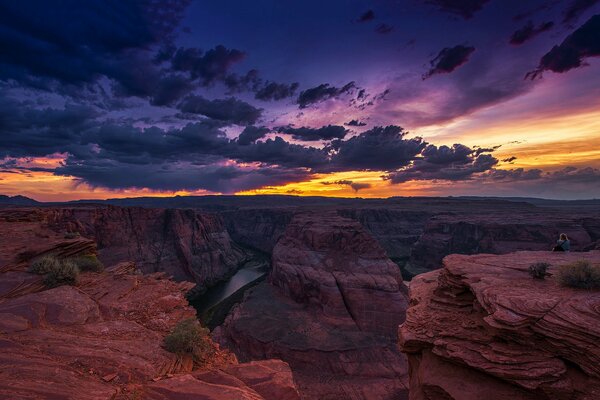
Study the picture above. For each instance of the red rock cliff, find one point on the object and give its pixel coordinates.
(483, 328)
(185, 244)
(331, 310)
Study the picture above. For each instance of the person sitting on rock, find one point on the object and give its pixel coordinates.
(563, 243)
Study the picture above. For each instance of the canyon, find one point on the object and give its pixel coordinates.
(305, 295)
(102, 339)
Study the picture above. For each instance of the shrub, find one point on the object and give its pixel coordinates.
(538, 270)
(88, 263)
(64, 273)
(580, 274)
(43, 265)
(189, 337)
(71, 235)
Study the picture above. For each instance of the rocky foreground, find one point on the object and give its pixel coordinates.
(102, 339)
(482, 328)
(330, 309)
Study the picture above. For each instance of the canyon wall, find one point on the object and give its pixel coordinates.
(481, 327)
(185, 244)
(330, 309)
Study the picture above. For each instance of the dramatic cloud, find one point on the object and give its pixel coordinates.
(581, 44)
(76, 42)
(251, 134)
(464, 8)
(229, 110)
(449, 166)
(384, 29)
(328, 132)
(208, 67)
(449, 59)
(355, 122)
(529, 31)
(177, 176)
(322, 92)
(380, 148)
(368, 15)
(576, 8)
(276, 91)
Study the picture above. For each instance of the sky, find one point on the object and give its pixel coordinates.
(106, 99)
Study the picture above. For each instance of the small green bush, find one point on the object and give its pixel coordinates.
(65, 273)
(189, 337)
(580, 274)
(71, 235)
(538, 270)
(88, 263)
(43, 265)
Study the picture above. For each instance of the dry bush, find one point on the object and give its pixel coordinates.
(189, 337)
(63, 273)
(580, 274)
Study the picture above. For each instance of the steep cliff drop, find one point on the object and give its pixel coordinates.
(482, 328)
(102, 339)
(331, 310)
(186, 244)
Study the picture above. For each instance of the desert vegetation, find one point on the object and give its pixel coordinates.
(59, 272)
(539, 270)
(580, 274)
(189, 337)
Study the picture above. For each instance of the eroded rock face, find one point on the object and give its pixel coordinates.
(330, 309)
(103, 338)
(483, 328)
(498, 233)
(185, 244)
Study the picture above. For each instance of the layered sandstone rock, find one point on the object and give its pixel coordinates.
(330, 310)
(103, 338)
(483, 328)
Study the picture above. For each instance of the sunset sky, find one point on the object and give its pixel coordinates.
(103, 99)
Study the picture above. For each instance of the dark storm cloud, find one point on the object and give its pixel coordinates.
(177, 176)
(306, 134)
(449, 59)
(380, 148)
(509, 159)
(322, 92)
(74, 42)
(209, 66)
(444, 165)
(355, 122)
(25, 131)
(384, 29)
(529, 31)
(278, 151)
(276, 91)
(251, 134)
(464, 8)
(229, 110)
(576, 8)
(368, 15)
(571, 53)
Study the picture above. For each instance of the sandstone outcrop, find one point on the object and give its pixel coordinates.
(481, 327)
(331, 310)
(102, 339)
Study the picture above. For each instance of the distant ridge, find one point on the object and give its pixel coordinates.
(17, 200)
